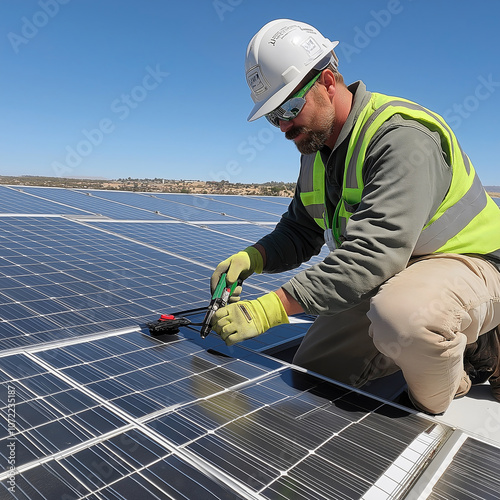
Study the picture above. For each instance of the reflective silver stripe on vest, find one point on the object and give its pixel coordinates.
(343, 228)
(454, 220)
(351, 179)
(306, 175)
(316, 211)
(306, 183)
(466, 161)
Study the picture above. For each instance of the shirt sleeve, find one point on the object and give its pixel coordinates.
(406, 177)
(294, 240)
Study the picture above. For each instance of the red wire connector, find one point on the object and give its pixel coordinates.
(167, 324)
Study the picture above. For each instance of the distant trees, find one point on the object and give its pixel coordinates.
(158, 185)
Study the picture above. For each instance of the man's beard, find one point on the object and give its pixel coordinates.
(314, 140)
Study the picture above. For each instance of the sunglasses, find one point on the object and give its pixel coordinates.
(291, 107)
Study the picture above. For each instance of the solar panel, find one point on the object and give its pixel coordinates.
(94, 407)
(271, 204)
(18, 201)
(473, 473)
(59, 278)
(235, 207)
(205, 244)
(91, 203)
(155, 204)
(189, 207)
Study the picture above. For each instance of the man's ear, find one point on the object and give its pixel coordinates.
(328, 81)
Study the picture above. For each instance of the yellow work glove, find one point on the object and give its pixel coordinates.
(240, 265)
(249, 318)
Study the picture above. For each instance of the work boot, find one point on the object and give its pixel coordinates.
(495, 377)
(482, 361)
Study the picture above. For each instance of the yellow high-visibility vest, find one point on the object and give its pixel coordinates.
(467, 221)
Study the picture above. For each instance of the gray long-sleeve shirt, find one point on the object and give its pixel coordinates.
(406, 178)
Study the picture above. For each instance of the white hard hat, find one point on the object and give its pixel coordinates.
(278, 57)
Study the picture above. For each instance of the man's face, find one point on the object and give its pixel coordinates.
(313, 126)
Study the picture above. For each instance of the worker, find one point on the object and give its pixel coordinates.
(412, 278)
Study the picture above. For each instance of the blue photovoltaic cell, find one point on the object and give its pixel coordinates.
(62, 388)
(275, 200)
(142, 206)
(472, 474)
(247, 232)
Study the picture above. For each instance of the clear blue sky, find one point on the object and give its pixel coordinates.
(156, 88)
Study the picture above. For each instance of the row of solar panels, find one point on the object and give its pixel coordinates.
(123, 205)
(102, 410)
(70, 275)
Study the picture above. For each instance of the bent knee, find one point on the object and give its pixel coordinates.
(400, 321)
(391, 319)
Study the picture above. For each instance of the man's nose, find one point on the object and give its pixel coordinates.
(286, 125)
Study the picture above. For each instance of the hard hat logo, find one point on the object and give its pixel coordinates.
(281, 33)
(311, 47)
(279, 57)
(255, 81)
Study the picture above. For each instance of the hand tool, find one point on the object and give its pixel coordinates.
(170, 324)
(220, 297)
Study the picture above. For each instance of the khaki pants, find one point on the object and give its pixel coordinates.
(419, 321)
